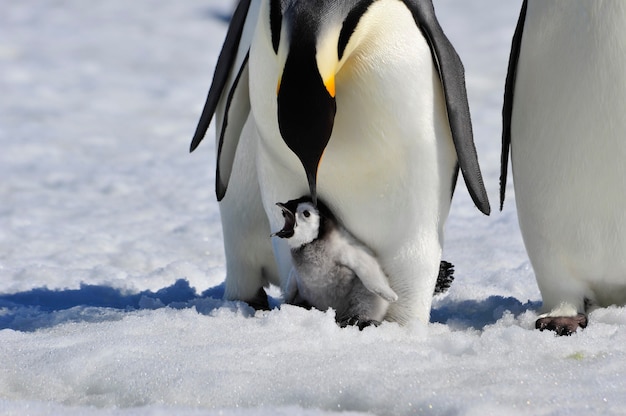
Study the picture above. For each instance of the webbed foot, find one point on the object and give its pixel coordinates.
(562, 325)
(357, 321)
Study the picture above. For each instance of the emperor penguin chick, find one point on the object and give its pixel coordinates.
(331, 269)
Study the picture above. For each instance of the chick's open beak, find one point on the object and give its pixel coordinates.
(290, 223)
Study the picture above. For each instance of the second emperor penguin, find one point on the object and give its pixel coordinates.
(564, 120)
(373, 86)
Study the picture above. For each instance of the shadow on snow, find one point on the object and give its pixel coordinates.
(478, 314)
(43, 308)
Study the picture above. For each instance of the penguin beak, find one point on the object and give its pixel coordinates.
(290, 223)
(306, 108)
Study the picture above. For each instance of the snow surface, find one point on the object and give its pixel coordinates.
(111, 257)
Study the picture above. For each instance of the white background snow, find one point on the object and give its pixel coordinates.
(111, 255)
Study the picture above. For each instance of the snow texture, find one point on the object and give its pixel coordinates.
(111, 260)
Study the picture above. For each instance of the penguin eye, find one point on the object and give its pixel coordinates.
(307, 214)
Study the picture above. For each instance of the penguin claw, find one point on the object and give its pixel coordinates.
(358, 322)
(562, 325)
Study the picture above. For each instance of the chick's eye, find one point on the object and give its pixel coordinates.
(307, 214)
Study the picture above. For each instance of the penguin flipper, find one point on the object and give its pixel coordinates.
(452, 76)
(236, 111)
(507, 108)
(223, 70)
(231, 74)
(367, 269)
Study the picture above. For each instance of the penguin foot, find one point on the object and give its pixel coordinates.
(562, 325)
(259, 302)
(357, 321)
(445, 278)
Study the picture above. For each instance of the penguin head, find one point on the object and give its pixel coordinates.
(310, 39)
(302, 222)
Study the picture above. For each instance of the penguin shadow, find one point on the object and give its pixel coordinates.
(479, 314)
(44, 308)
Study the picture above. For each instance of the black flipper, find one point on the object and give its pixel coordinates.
(233, 121)
(452, 75)
(507, 108)
(222, 71)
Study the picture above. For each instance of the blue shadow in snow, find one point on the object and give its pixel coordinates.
(478, 314)
(43, 308)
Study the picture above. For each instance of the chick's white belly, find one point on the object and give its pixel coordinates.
(321, 281)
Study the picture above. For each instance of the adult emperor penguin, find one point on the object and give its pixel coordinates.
(377, 89)
(564, 121)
